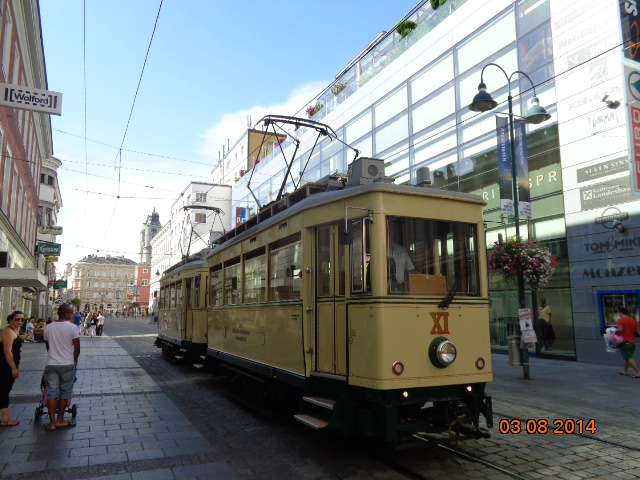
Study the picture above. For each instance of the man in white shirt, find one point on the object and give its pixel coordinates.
(99, 324)
(399, 263)
(63, 348)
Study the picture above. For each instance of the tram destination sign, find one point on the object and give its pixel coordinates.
(49, 249)
(27, 98)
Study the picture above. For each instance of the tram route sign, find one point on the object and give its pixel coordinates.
(27, 98)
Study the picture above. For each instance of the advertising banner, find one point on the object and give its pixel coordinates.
(504, 166)
(522, 167)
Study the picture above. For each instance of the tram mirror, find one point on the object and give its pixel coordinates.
(346, 237)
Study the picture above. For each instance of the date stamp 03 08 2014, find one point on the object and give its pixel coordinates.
(559, 426)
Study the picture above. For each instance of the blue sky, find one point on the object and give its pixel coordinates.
(210, 64)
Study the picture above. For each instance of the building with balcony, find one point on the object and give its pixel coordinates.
(25, 144)
(102, 283)
(49, 204)
(406, 100)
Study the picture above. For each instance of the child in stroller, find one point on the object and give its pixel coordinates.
(42, 407)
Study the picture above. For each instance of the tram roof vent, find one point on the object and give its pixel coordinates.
(366, 170)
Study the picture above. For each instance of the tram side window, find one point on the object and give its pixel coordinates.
(232, 282)
(179, 294)
(255, 282)
(216, 290)
(323, 262)
(162, 295)
(196, 291)
(172, 296)
(426, 257)
(285, 269)
(360, 257)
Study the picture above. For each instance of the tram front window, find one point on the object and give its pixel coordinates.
(426, 257)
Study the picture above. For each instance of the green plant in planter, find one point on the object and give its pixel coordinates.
(338, 87)
(405, 27)
(435, 4)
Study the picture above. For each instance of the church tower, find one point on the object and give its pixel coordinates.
(149, 230)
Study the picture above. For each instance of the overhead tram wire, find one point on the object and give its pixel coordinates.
(124, 136)
(144, 64)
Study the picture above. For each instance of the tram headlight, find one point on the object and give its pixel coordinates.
(442, 352)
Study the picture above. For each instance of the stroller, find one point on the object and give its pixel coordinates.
(42, 408)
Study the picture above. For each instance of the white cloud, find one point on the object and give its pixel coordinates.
(232, 125)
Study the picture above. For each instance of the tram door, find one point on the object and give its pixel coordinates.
(187, 327)
(331, 318)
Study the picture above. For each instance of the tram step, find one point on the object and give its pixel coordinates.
(321, 402)
(198, 365)
(311, 421)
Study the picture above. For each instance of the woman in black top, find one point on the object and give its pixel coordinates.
(9, 363)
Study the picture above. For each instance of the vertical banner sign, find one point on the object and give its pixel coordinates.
(522, 167)
(630, 27)
(241, 215)
(504, 166)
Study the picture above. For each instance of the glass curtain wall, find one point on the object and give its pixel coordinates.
(425, 122)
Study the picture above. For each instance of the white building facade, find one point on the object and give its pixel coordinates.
(200, 214)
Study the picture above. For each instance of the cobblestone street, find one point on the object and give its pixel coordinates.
(140, 416)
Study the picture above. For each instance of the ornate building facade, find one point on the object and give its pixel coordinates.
(102, 283)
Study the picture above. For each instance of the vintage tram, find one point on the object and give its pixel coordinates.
(182, 313)
(365, 301)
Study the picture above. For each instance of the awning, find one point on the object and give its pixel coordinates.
(23, 277)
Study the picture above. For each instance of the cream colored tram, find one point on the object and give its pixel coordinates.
(365, 301)
(182, 313)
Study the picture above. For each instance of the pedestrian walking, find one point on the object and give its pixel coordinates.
(77, 321)
(9, 364)
(99, 324)
(92, 325)
(87, 322)
(544, 323)
(63, 349)
(628, 328)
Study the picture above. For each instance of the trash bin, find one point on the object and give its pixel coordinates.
(513, 346)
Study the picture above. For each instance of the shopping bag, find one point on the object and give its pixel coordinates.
(610, 346)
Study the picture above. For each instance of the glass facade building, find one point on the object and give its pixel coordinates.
(405, 100)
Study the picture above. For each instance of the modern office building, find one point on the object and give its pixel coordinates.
(406, 100)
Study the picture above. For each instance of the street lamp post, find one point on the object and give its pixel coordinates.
(483, 102)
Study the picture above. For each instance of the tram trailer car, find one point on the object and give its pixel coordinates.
(313, 299)
(182, 313)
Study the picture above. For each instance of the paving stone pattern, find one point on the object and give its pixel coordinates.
(141, 417)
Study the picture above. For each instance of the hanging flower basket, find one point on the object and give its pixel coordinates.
(516, 256)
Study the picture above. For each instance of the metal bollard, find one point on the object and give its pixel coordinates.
(513, 346)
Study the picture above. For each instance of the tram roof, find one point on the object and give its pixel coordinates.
(313, 194)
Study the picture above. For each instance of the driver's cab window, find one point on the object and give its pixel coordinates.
(427, 257)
